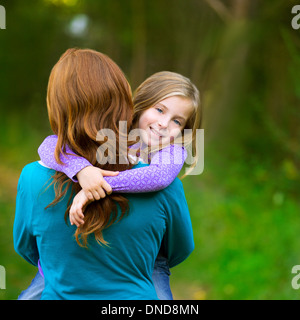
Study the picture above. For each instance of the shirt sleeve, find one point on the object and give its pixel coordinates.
(72, 163)
(178, 241)
(24, 240)
(163, 169)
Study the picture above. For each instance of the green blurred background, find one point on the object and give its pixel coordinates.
(244, 56)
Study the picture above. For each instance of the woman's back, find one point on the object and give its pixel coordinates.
(121, 270)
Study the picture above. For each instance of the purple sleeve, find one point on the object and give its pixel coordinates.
(72, 163)
(163, 169)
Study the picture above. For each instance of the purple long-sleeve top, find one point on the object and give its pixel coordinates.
(164, 167)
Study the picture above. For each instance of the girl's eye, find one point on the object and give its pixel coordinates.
(159, 110)
(177, 122)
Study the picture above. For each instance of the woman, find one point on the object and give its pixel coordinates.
(88, 92)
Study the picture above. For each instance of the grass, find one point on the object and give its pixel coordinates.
(245, 222)
(246, 237)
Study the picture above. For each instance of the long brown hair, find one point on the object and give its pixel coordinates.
(87, 92)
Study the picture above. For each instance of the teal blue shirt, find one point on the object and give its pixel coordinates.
(122, 270)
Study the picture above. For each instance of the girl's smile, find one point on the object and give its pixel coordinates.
(156, 132)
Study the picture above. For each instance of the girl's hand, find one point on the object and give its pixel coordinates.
(91, 181)
(79, 203)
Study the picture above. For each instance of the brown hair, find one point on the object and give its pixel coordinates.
(87, 92)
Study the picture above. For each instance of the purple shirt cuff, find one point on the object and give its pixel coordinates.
(40, 269)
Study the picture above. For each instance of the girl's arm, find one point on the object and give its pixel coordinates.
(72, 163)
(165, 166)
(90, 178)
(163, 169)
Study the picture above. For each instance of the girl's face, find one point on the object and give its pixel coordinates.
(163, 122)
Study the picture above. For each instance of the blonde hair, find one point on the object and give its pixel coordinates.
(165, 84)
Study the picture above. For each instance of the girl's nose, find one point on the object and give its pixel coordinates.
(163, 123)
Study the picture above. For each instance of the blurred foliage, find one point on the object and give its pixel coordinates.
(244, 57)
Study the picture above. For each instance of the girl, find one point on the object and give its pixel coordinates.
(164, 105)
(88, 92)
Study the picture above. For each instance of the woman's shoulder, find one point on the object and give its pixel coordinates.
(36, 166)
(34, 172)
(175, 185)
(173, 192)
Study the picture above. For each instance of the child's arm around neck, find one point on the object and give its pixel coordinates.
(164, 167)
